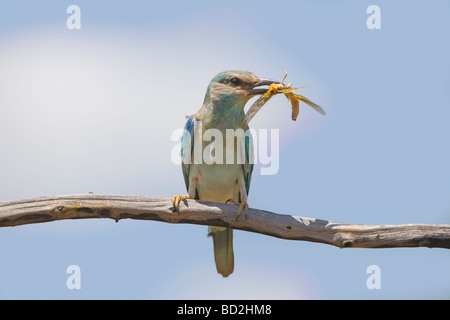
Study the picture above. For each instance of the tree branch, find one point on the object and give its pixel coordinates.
(45, 209)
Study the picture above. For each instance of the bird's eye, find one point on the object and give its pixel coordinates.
(235, 81)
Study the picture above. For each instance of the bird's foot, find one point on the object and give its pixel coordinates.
(176, 202)
(243, 205)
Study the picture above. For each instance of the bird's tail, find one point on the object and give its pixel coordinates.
(223, 249)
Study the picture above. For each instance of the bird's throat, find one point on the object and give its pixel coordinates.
(228, 117)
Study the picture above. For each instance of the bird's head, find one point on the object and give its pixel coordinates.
(235, 88)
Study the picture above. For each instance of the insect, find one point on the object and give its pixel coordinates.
(288, 91)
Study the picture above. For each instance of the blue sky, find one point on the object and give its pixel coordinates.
(93, 110)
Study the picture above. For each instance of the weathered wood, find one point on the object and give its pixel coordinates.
(85, 206)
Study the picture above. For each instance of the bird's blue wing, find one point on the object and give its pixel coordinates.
(187, 144)
(249, 160)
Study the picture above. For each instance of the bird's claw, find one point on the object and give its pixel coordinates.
(176, 202)
(243, 205)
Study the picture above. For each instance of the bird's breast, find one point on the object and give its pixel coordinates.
(217, 182)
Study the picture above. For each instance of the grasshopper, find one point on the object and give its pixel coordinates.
(288, 91)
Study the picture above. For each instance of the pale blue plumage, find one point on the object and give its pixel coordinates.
(187, 146)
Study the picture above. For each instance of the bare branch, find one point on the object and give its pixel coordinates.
(86, 206)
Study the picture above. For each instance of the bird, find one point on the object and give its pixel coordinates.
(221, 181)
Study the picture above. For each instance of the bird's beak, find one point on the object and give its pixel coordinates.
(261, 82)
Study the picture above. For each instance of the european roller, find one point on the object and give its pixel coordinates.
(223, 180)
